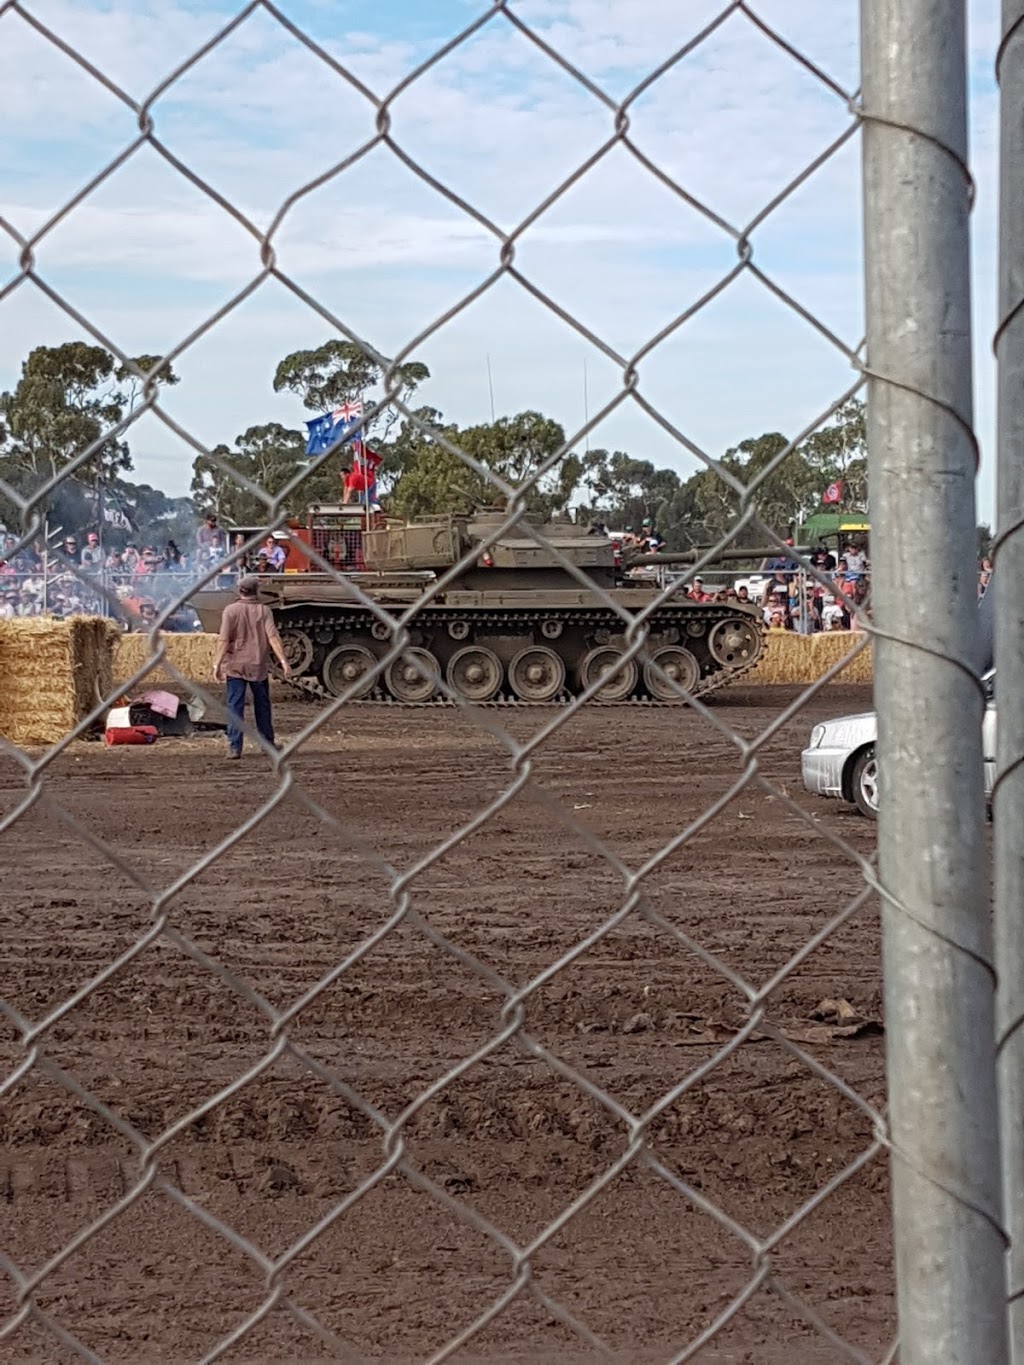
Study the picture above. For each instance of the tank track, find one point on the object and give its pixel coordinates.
(310, 686)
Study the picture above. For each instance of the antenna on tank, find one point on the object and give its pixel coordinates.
(586, 409)
(490, 385)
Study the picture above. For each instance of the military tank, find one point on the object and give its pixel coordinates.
(496, 617)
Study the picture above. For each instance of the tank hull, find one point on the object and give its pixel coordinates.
(500, 646)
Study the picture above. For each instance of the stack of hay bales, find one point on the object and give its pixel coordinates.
(791, 658)
(191, 655)
(52, 673)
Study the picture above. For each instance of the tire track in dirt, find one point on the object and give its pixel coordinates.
(636, 1014)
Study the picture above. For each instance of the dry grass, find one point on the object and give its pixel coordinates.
(52, 673)
(192, 655)
(789, 658)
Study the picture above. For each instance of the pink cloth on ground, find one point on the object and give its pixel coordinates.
(163, 703)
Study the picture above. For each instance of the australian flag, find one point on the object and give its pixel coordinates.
(332, 428)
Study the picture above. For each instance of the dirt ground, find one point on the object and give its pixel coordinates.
(512, 1141)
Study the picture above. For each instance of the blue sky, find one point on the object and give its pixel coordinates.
(148, 256)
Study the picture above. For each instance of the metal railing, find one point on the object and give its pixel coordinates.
(939, 1124)
(62, 590)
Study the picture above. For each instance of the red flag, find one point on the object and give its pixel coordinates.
(833, 493)
(362, 477)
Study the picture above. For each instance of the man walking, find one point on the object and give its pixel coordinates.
(247, 637)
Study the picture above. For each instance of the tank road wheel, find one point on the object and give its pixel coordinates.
(298, 649)
(606, 661)
(679, 667)
(413, 676)
(475, 674)
(734, 642)
(536, 674)
(348, 667)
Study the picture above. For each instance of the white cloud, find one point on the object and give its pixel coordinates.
(150, 255)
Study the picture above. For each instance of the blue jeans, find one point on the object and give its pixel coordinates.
(260, 710)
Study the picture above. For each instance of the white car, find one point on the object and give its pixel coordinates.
(840, 758)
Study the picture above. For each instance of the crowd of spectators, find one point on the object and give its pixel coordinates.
(833, 597)
(792, 599)
(789, 597)
(79, 576)
(132, 582)
(217, 548)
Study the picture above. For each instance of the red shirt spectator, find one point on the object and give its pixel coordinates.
(362, 478)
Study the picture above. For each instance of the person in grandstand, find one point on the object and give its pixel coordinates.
(92, 554)
(855, 567)
(274, 552)
(649, 537)
(210, 539)
(360, 483)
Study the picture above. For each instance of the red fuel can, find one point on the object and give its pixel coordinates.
(131, 734)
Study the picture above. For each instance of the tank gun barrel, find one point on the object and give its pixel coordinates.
(730, 556)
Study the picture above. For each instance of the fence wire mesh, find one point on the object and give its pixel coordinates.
(51, 1301)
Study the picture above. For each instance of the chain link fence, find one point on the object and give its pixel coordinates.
(536, 1022)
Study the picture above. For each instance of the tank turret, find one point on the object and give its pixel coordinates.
(513, 559)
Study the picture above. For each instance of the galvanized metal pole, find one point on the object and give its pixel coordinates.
(939, 989)
(1008, 800)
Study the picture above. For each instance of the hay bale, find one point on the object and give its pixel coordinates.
(52, 673)
(791, 658)
(192, 655)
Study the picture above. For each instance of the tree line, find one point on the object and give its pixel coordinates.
(68, 396)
